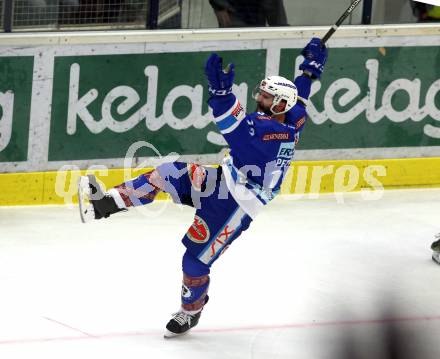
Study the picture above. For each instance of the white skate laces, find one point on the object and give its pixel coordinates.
(181, 323)
(182, 318)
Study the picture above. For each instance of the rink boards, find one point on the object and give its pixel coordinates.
(89, 101)
(309, 178)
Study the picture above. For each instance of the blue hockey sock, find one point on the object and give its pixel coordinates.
(140, 190)
(195, 284)
(194, 293)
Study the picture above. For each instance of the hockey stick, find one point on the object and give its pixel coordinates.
(339, 22)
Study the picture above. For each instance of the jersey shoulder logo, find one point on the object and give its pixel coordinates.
(199, 231)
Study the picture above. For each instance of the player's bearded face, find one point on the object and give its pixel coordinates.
(264, 102)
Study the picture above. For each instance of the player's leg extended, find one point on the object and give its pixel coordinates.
(169, 177)
(436, 249)
(94, 203)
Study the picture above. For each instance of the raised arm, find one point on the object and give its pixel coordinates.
(315, 57)
(227, 111)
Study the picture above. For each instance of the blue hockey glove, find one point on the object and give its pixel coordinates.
(315, 57)
(220, 80)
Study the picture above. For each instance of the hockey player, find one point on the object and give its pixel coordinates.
(227, 198)
(436, 249)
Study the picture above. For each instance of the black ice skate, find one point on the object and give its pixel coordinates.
(181, 323)
(93, 202)
(436, 248)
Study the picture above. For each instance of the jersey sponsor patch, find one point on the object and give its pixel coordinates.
(223, 238)
(276, 136)
(238, 112)
(199, 231)
(285, 154)
(263, 117)
(300, 122)
(286, 150)
(220, 242)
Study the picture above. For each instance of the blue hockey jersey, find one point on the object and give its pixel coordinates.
(261, 148)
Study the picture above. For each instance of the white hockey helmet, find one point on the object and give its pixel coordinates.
(281, 89)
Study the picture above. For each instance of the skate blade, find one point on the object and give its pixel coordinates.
(170, 335)
(436, 257)
(86, 211)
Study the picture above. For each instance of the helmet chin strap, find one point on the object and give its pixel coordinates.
(276, 113)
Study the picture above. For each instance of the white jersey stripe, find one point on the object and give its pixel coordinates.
(245, 197)
(222, 238)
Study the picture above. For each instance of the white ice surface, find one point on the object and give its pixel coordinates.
(311, 278)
